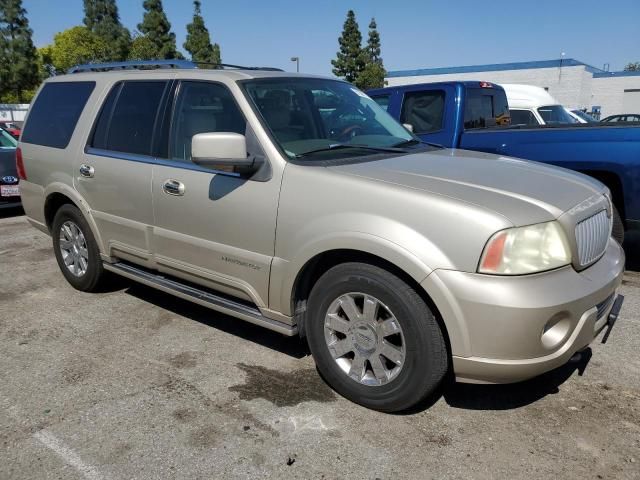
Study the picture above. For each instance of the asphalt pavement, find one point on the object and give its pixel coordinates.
(133, 383)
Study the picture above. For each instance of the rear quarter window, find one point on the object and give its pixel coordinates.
(54, 115)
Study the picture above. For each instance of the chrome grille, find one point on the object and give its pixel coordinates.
(592, 235)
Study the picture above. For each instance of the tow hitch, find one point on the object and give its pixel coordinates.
(613, 316)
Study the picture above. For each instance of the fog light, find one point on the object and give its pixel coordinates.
(556, 330)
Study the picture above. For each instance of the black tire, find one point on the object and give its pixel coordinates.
(617, 231)
(426, 360)
(94, 275)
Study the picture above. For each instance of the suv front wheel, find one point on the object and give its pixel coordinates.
(374, 339)
(76, 249)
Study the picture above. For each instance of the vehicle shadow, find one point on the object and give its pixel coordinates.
(456, 395)
(470, 396)
(631, 247)
(515, 395)
(11, 212)
(292, 346)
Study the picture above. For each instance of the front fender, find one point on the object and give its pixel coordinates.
(284, 273)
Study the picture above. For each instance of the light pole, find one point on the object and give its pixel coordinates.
(297, 60)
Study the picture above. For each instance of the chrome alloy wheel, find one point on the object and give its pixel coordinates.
(73, 248)
(364, 338)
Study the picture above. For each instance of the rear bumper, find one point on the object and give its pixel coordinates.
(10, 202)
(516, 328)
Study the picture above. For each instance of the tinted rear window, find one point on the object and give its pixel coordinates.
(54, 115)
(128, 125)
(486, 107)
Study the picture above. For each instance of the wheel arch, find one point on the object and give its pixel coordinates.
(58, 195)
(316, 266)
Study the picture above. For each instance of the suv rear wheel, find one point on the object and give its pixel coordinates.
(374, 339)
(76, 250)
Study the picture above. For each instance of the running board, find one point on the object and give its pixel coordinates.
(202, 297)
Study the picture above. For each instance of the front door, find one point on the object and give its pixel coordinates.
(212, 228)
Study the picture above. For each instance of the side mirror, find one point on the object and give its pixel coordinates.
(408, 126)
(224, 151)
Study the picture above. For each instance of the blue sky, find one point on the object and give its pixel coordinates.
(415, 33)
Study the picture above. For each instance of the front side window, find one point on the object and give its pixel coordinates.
(555, 115)
(55, 113)
(202, 107)
(330, 118)
(523, 117)
(486, 107)
(424, 111)
(128, 116)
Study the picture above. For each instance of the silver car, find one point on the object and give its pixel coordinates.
(296, 203)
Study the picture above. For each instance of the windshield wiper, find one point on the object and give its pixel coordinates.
(413, 141)
(340, 146)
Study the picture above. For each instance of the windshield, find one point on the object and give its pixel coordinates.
(6, 140)
(309, 117)
(555, 114)
(585, 116)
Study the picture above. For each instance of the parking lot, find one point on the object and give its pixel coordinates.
(133, 383)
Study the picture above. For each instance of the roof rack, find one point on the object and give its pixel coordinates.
(156, 64)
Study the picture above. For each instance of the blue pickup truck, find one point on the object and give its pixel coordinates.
(475, 116)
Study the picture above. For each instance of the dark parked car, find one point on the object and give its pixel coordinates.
(9, 188)
(623, 118)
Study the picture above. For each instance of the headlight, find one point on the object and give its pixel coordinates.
(521, 250)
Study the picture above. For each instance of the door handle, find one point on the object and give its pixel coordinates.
(87, 170)
(173, 187)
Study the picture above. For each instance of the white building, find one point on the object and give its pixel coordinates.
(13, 112)
(575, 84)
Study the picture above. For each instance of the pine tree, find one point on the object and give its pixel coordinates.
(156, 27)
(198, 42)
(350, 60)
(373, 43)
(19, 70)
(102, 18)
(372, 75)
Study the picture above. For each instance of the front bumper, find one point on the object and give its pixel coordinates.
(508, 329)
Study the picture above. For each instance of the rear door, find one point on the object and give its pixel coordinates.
(113, 174)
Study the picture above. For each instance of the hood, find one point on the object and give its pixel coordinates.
(8, 163)
(524, 192)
